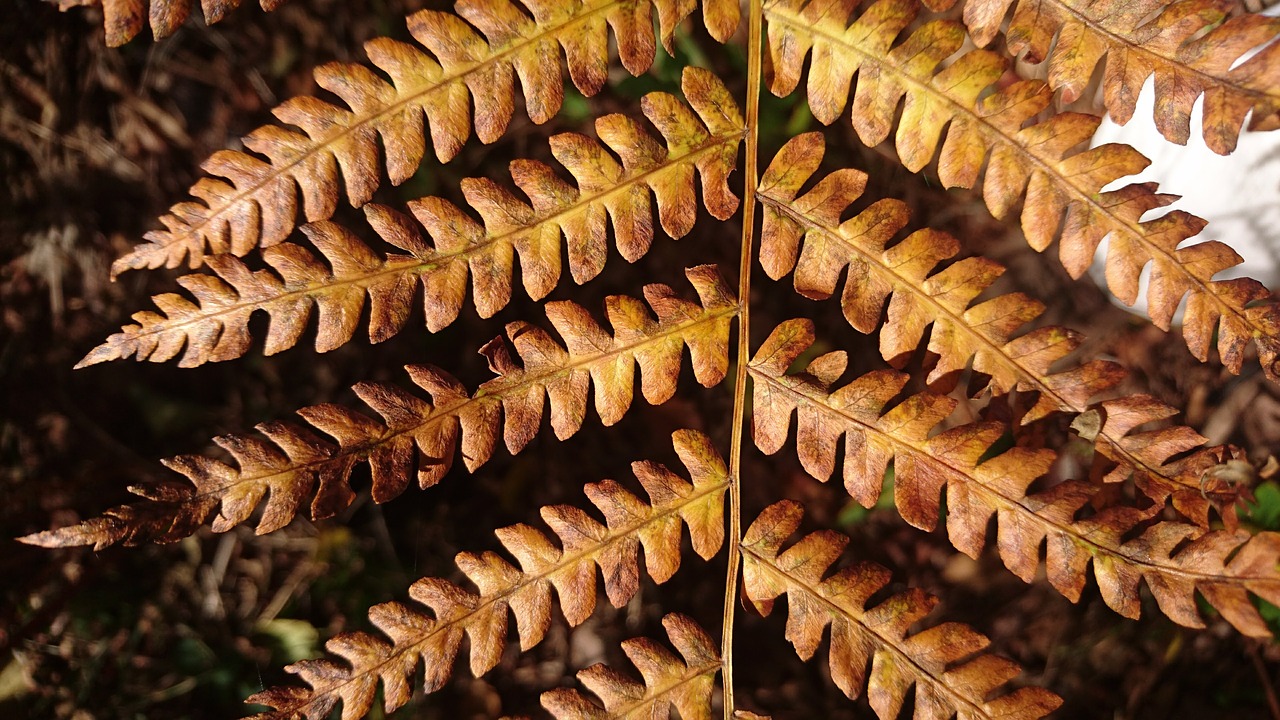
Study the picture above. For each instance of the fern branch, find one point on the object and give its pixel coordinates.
(570, 569)
(940, 662)
(1224, 567)
(255, 201)
(216, 326)
(1034, 160)
(1148, 457)
(124, 19)
(295, 466)
(803, 233)
(746, 238)
(1189, 46)
(685, 684)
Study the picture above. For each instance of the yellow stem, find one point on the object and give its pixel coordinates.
(749, 180)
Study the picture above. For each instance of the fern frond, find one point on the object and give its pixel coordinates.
(803, 232)
(685, 683)
(584, 544)
(1167, 464)
(248, 201)
(295, 466)
(216, 326)
(1189, 46)
(950, 678)
(1224, 567)
(124, 19)
(1035, 160)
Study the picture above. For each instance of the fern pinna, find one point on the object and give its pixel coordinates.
(966, 430)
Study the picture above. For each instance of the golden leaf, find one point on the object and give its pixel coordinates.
(294, 466)
(1191, 47)
(701, 136)
(249, 201)
(1224, 567)
(685, 683)
(1035, 160)
(951, 676)
(413, 636)
(804, 233)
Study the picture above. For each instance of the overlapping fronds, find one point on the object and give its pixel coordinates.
(250, 200)
(294, 466)
(1168, 464)
(1224, 567)
(701, 136)
(1190, 46)
(1036, 161)
(414, 637)
(803, 232)
(684, 683)
(124, 19)
(943, 663)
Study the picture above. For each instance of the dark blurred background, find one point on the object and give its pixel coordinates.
(95, 143)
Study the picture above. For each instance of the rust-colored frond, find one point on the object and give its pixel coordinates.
(951, 676)
(1224, 567)
(1190, 46)
(294, 465)
(803, 232)
(684, 683)
(1036, 161)
(702, 137)
(250, 200)
(1149, 457)
(434, 639)
(124, 19)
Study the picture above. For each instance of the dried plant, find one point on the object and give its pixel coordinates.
(1140, 517)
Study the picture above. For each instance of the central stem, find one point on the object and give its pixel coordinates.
(749, 181)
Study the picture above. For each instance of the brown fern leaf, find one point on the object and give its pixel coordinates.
(124, 19)
(249, 201)
(685, 684)
(950, 678)
(1189, 45)
(803, 232)
(570, 570)
(1224, 567)
(1148, 457)
(216, 326)
(1036, 161)
(295, 466)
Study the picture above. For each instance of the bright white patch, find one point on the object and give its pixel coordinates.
(1238, 194)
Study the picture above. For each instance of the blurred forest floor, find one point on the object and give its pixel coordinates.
(96, 143)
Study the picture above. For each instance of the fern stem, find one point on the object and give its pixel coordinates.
(749, 181)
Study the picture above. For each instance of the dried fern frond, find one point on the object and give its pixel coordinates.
(433, 640)
(1224, 567)
(1167, 464)
(1036, 161)
(684, 683)
(701, 136)
(248, 201)
(803, 232)
(1190, 46)
(124, 19)
(294, 466)
(952, 678)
